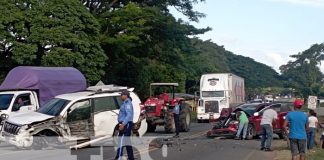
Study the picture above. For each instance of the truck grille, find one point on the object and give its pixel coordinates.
(150, 109)
(211, 106)
(11, 128)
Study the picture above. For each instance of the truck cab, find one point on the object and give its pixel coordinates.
(18, 101)
(218, 91)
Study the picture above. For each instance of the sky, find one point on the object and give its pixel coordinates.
(269, 31)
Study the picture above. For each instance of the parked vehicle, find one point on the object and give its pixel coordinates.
(218, 91)
(73, 117)
(228, 126)
(27, 88)
(159, 108)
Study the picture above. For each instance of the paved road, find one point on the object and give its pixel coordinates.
(191, 146)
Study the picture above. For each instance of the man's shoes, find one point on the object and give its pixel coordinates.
(237, 138)
(262, 148)
(176, 136)
(268, 150)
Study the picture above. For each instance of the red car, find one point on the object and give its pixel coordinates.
(228, 126)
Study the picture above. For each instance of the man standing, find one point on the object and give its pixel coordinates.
(244, 123)
(176, 115)
(269, 116)
(125, 120)
(298, 122)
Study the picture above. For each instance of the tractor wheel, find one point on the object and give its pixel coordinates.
(185, 119)
(169, 125)
(151, 127)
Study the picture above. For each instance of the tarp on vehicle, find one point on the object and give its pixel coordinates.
(47, 81)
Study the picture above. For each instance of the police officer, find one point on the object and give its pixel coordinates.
(176, 115)
(125, 119)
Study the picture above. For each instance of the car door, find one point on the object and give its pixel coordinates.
(106, 110)
(79, 119)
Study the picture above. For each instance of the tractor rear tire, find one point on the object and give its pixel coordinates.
(169, 125)
(151, 127)
(185, 118)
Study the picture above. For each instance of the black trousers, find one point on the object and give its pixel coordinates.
(177, 122)
(125, 141)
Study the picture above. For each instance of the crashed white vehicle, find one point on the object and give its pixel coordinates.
(81, 116)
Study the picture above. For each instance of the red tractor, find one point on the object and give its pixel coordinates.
(159, 108)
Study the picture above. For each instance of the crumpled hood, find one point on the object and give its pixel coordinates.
(28, 118)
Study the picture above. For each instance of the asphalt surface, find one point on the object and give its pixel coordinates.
(192, 145)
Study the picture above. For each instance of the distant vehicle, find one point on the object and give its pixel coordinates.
(218, 91)
(26, 88)
(73, 117)
(159, 108)
(256, 101)
(229, 125)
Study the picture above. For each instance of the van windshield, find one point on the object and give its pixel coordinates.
(213, 94)
(5, 100)
(53, 107)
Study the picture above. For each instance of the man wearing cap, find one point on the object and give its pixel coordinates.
(125, 119)
(298, 122)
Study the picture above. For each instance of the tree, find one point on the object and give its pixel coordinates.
(185, 7)
(50, 33)
(303, 74)
(142, 39)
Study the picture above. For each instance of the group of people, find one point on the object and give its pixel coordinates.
(300, 128)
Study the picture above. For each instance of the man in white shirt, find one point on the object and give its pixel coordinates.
(269, 116)
(312, 125)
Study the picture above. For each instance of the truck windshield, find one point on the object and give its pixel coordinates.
(53, 107)
(213, 94)
(5, 100)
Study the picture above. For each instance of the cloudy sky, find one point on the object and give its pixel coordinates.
(266, 30)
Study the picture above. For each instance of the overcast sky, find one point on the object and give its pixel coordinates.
(266, 30)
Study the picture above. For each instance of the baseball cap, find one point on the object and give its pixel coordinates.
(125, 92)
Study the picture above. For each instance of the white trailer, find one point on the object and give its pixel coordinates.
(218, 91)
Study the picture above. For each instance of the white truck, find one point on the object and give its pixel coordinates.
(218, 91)
(26, 88)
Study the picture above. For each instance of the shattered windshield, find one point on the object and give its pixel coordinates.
(53, 107)
(5, 100)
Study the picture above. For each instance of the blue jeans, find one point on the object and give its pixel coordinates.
(311, 138)
(266, 136)
(242, 126)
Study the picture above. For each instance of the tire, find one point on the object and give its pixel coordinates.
(281, 136)
(185, 119)
(250, 132)
(150, 127)
(169, 125)
(199, 121)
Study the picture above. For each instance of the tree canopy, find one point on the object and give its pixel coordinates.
(50, 33)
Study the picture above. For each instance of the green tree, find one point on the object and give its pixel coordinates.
(142, 39)
(303, 74)
(50, 33)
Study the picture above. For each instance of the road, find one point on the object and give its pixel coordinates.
(190, 146)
